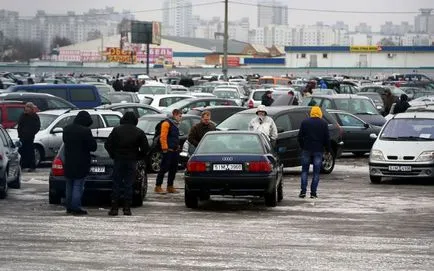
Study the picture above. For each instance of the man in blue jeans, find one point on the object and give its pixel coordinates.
(313, 138)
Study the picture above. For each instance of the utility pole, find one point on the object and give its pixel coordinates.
(225, 44)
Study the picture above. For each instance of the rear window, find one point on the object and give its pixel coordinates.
(257, 95)
(82, 95)
(230, 143)
(14, 113)
(237, 122)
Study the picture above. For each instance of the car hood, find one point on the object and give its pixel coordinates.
(376, 120)
(403, 148)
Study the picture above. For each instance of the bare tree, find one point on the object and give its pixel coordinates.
(60, 42)
(94, 35)
(19, 50)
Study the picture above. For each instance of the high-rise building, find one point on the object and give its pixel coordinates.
(178, 18)
(272, 12)
(363, 28)
(424, 22)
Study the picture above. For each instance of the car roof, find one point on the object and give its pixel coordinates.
(126, 104)
(273, 110)
(156, 96)
(55, 85)
(34, 94)
(164, 116)
(415, 115)
(341, 96)
(75, 111)
(208, 108)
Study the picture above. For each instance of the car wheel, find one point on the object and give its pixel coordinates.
(280, 191)
(142, 184)
(271, 198)
(4, 191)
(191, 199)
(328, 163)
(375, 179)
(155, 161)
(17, 183)
(359, 153)
(39, 155)
(53, 198)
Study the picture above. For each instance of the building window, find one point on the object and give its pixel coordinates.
(324, 55)
(303, 55)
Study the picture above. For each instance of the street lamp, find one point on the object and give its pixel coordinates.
(225, 44)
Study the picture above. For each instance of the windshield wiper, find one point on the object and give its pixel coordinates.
(389, 138)
(416, 138)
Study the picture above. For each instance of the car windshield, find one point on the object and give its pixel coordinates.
(148, 125)
(409, 130)
(152, 90)
(237, 122)
(356, 106)
(226, 94)
(230, 143)
(46, 120)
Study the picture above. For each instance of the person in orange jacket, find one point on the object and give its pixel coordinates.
(169, 139)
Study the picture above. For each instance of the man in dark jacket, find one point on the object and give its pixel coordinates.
(78, 144)
(402, 105)
(313, 138)
(267, 100)
(28, 125)
(126, 145)
(199, 130)
(388, 100)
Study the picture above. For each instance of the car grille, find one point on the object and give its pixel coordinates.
(406, 158)
(414, 172)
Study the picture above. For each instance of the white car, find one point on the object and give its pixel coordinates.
(163, 101)
(404, 148)
(49, 138)
(229, 93)
(153, 88)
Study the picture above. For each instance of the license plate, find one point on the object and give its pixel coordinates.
(97, 169)
(230, 167)
(399, 168)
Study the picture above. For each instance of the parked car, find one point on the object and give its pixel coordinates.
(10, 112)
(376, 98)
(49, 138)
(153, 88)
(356, 132)
(147, 124)
(99, 179)
(10, 169)
(6, 83)
(122, 96)
(188, 104)
(255, 97)
(288, 120)
(235, 163)
(404, 148)
(81, 95)
(396, 92)
(138, 109)
(164, 100)
(43, 101)
(227, 93)
(103, 88)
(218, 112)
(360, 106)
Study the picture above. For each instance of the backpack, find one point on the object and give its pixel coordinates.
(156, 144)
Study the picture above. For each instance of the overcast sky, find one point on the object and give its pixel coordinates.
(28, 8)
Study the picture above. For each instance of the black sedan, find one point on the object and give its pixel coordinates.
(234, 163)
(99, 178)
(356, 135)
(147, 124)
(10, 170)
(139, 110)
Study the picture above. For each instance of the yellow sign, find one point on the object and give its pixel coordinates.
(365, 49)
(117, 55)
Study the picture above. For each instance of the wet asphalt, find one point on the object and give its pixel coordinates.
(353, 225)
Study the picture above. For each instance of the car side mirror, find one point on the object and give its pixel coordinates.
(57, 130)
(366, 125)
(373, 136)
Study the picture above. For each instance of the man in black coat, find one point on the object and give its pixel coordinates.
(78, 144)
(267, 100)
(28, 125)
(402, 105)
(126, 145)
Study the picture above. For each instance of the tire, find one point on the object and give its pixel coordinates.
(154, 161)
(17, 183)
(191, 199)
(39, 155)
(328, 163)
(53, 198)
(280, 191)
(359, 153)
(271, 198)
(142, 184)
(4, 191)
(375, 179)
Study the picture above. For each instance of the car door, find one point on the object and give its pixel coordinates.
(12, 153)
(285, 145)
(54, 139)
(102, 128)
(356, 134)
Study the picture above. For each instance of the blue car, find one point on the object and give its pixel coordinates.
(234, 163)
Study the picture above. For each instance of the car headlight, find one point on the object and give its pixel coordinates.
(426, 156)
(376, 155)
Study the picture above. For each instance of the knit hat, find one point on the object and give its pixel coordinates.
(316, 112)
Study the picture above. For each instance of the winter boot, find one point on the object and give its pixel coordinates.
(127, 209)
(114, 209)
(159, 190)
(171, 189)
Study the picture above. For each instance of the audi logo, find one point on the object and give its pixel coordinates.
(227, 159)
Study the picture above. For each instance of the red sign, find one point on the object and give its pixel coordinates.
(233, 61)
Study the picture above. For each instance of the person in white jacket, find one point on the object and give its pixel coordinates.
(264, 124)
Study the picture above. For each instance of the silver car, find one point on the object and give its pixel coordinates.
(49, 138)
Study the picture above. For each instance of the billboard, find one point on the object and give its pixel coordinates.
(365, 49)
(138, 54)
(146, 32)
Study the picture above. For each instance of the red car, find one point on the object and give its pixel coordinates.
(10, 112)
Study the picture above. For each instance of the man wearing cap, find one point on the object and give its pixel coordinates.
(313, 138)
(264, 124)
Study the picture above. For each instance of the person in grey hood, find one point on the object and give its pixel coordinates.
(126, 145)
(78, 144)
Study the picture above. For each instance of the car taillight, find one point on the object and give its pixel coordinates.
(193, 166)
(57, 167)
(258, 166)
(251, 104)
